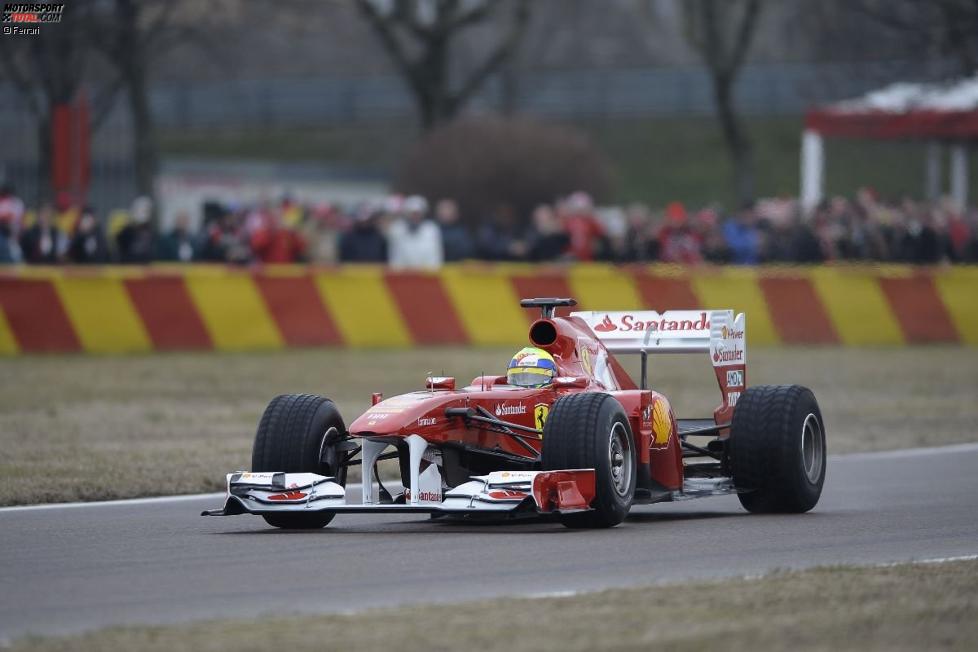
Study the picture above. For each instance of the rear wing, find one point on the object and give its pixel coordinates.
(719, 333)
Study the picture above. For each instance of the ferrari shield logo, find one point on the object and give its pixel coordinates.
(540, 413)
(585, 361)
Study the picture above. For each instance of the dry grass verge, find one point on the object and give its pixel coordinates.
(92, 427)
(905, 607)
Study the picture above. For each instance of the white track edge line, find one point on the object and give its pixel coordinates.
(929, 560)
(902, 453)
(892, 454)
(113, 503)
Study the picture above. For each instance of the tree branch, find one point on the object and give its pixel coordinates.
(744, 35)
(158, 27)
(712, 40)
(391, 44)
(20, 80)
(499, 56)
(405, 15)
(104, 101)
(474, 15)
(693, 23)
(894, 19)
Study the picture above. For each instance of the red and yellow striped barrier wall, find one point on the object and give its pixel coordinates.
(125, 309)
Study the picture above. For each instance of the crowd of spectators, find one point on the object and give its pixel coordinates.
(409, 233)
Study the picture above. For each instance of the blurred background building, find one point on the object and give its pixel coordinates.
(227, 106)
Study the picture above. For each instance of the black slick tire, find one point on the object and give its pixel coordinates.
(777, 449)
(581, 433)
(290, 439)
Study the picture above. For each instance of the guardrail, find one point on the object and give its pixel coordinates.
(164, 308)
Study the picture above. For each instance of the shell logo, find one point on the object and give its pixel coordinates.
(661, 424)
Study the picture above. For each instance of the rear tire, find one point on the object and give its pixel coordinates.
(591, 431)
(291, 438)
(777, 449)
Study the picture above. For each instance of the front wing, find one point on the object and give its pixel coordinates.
(544, 492)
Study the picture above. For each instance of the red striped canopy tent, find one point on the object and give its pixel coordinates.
(945, 113)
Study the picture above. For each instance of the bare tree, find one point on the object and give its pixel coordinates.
(47, 70)
(132, 33)
(418, 34)
(51, 68)
(721, 31)
(948, 28)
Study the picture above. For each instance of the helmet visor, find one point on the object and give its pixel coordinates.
(529, 376)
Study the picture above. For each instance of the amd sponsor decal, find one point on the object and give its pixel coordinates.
(509, 410)
(735, 378)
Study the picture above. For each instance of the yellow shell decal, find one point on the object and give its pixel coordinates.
(586, 360)
(661, 424)
(540, 413)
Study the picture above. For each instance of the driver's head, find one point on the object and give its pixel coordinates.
(531, 367)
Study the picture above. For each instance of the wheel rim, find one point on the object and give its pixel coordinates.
(812, 451)
(620, 459)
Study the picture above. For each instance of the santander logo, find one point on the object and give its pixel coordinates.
(605, 326)
(640, 323)
(722, 354)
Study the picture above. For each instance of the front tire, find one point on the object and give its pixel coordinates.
(591, 431)
(294, 436)
(777, 449)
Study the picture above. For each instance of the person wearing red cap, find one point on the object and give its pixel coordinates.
(273, 242)
(582, 225)
(677, 242)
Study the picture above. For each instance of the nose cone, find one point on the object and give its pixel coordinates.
(405, 414)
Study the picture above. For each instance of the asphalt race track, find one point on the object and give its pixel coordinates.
(66, 569)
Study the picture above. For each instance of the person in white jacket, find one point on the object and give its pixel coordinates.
(414, 241)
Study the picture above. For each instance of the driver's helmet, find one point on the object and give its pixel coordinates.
(531, 367)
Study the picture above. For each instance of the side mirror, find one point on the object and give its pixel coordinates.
(440, 382)
(570, 381)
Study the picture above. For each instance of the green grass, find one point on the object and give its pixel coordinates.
(100, 427)
(905, 607)
(657, 159)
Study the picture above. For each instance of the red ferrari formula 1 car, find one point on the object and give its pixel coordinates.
(581, 440)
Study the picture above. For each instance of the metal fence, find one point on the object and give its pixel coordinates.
(624, 92)
(112, 178)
